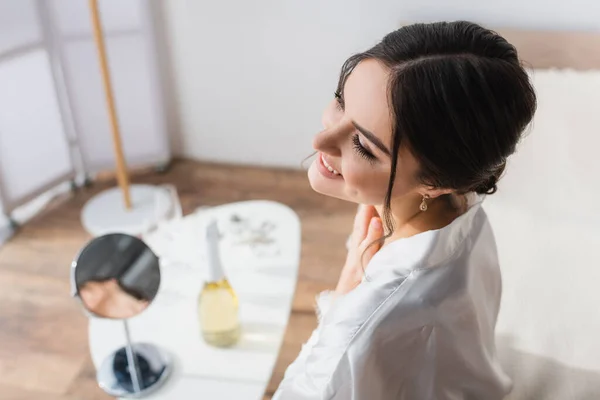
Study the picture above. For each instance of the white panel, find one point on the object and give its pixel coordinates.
(73, 16)
(560, 150)
(33, 148)
(262, 74)
(252, 84)
(141, 129)
(532, 14)
(18, 24)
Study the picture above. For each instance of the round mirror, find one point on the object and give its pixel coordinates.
(116, 276)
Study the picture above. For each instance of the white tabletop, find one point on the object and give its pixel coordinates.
(262, 270)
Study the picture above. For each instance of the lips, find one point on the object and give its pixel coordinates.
(326, 170)
(328, 166)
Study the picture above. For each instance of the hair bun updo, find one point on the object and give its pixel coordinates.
(488, 187)
(489, 184)
(460, 100)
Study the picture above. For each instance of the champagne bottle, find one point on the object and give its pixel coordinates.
(217, 302)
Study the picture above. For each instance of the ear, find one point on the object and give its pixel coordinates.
(435, 192)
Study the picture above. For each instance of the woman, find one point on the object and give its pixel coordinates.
(419, 131)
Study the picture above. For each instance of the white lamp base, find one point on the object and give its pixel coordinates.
(106, 212)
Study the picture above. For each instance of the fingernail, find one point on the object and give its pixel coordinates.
(375, 223)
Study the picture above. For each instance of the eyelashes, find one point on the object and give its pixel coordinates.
(364, 153)
(358, 147)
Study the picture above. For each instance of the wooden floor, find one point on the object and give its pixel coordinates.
(43, 334)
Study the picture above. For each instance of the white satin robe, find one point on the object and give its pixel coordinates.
(419, 327)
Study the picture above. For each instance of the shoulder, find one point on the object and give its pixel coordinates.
(373, 304)
(412, 279)
(415, 282)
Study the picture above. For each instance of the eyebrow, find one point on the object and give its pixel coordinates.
(372, 138)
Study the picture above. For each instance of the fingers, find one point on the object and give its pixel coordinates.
(359, 218)
(375, 213)
(375, 232)
(361, 223)
(371, 212)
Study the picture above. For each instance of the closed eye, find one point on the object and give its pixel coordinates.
(358, 147)
(361, 150)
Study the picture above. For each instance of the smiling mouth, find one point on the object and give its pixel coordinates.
(329, 167)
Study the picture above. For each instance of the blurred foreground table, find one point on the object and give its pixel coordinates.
(260, 250)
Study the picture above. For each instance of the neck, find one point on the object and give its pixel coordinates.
(403, 210)
(409, 220)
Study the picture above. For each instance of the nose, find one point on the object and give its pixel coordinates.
(328, 120)
(328, 140)
(331, 115)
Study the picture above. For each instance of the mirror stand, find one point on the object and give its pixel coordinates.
(135, 370)
(117, 276)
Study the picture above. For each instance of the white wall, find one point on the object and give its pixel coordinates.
(251, 77)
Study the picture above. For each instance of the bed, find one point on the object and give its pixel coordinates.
(546, 217)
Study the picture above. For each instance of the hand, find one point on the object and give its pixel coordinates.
(367, 229)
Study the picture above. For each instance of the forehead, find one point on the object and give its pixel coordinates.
(366, 98)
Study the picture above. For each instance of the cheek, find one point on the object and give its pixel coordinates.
(368, 184)
(405, 182)
(365, 183)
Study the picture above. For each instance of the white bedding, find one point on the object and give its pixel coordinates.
(546, 216)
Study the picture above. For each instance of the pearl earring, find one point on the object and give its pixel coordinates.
(423, 206)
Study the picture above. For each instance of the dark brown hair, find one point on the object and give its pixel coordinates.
(460, 101)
